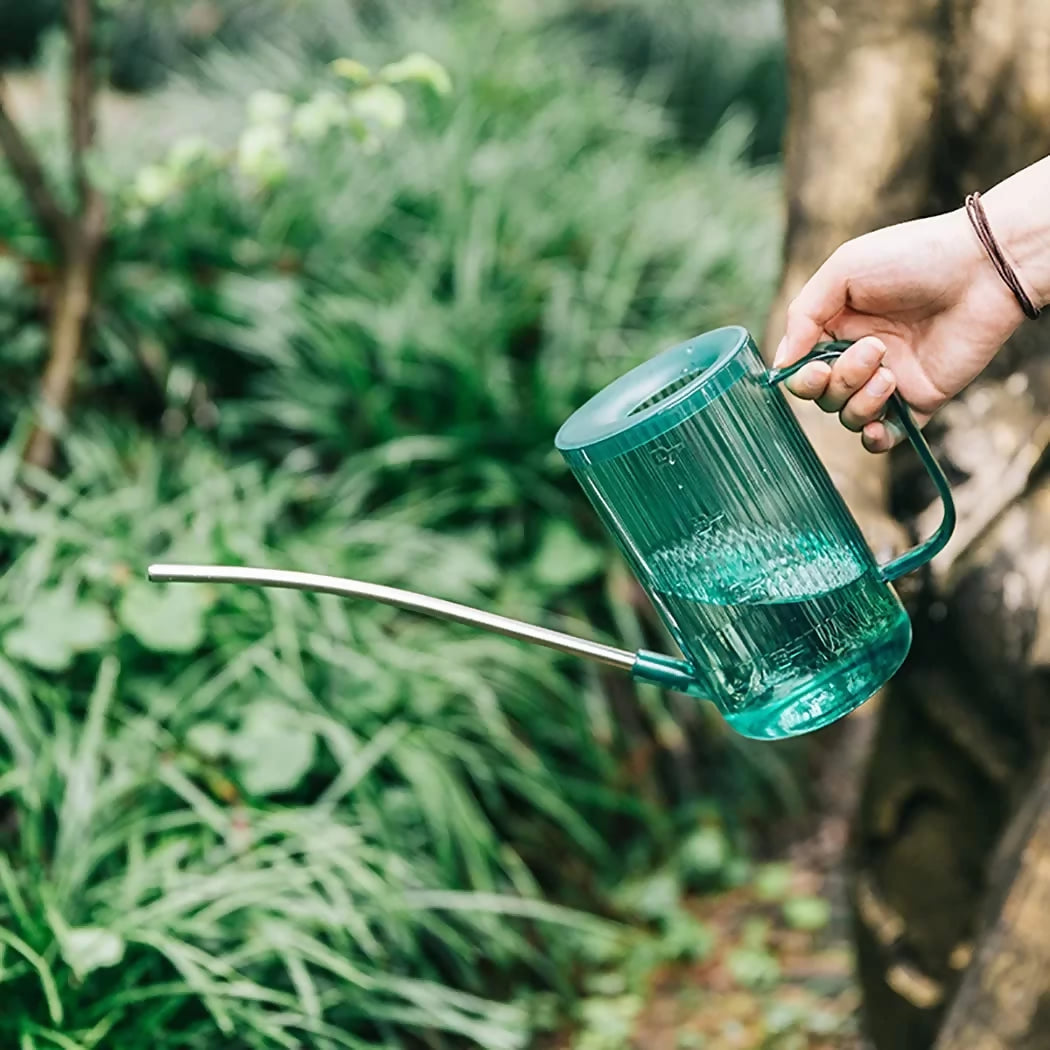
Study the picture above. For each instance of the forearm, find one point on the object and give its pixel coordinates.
(1018, 211)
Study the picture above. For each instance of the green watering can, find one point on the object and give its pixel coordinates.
(700, 471)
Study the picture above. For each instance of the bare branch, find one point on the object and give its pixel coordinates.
(53, 221)
(83, 243)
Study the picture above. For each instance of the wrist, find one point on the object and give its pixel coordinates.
(1018, 212)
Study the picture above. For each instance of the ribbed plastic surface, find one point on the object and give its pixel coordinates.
(699, 469)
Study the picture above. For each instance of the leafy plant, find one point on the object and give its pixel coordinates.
(295, 828)
(310, 822)
(520, 246)
(704, 59)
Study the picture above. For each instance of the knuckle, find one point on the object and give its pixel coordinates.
(849, 381)
(845, 252)
(852, 419)
(795, 312)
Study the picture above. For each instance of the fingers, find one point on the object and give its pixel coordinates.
(849, 374)
(881, 436)
(858, 387)
(810, 382)
(868, 404)
(832, 386)
(821, 299)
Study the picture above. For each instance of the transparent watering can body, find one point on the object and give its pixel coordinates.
(700, 471)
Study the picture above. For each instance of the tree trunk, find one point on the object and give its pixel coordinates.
(76, 238)
(1003, 1002)
(898, 109)
(70, 312)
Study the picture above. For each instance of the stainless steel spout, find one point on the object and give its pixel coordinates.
(409, 600)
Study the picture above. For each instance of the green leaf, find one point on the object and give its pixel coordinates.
(164, 619)
(607, 1022)
(823, 1022)
(807, 913)
(565, 558)
(274, 750)
(654, 897)
(781, 1017)
(600, 947)
(90, 948)
(754, 932)
(57, 626)
(753, 969)
(421, 69)
(704, 854)
(687, 939)
(606, 983)
(350, 69)
(37, 649)
(209, 739)
(773, 881)
(319, 115)
(87, 626)
(690, 1041)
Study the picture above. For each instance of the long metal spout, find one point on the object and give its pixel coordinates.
(410, 600)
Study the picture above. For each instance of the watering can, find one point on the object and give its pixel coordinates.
(701, 473)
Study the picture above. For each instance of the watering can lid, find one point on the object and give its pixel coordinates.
(656, 396)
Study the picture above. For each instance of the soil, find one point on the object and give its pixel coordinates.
(813, 1002)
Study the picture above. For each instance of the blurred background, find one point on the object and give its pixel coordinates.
(349, 264)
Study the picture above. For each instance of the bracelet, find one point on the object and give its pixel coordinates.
(979, 220)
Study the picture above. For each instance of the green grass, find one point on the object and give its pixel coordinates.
(263, 819)
(704, 58)
(251, 812)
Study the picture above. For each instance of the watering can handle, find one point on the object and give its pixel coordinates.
(917, 556)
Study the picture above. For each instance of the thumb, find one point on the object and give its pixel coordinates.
(820, 300)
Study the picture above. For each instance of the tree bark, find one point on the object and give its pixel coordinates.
(1003, 1002)
(898, 109)
(76, 238)
(70, 312)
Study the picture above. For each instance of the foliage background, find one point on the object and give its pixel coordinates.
(290, 821)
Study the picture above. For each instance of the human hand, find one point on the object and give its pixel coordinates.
(928, 311)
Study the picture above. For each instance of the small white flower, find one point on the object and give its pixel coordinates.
(317, 117)
(379, 107)
(261, 153)
(154, 185)
(189, 151)
(268, 107)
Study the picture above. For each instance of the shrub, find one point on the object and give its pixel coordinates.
(705, 59)
(306, 821)
(235, 811)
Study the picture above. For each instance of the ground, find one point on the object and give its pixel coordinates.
(717, 1004)
(778, 972)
